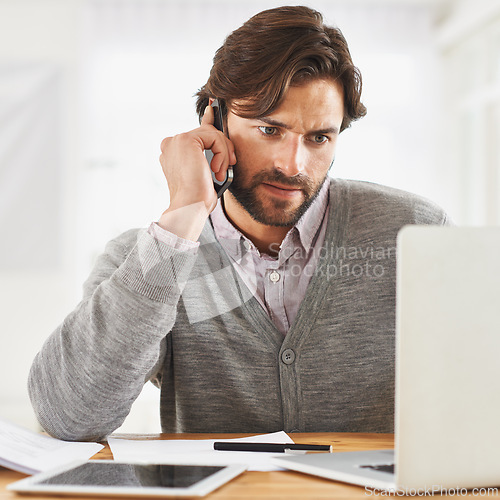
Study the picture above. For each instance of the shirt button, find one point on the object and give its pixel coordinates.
(288, 356)
(274, 276)
(247, 245)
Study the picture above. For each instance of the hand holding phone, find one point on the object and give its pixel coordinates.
(219, 186)
(192, 184)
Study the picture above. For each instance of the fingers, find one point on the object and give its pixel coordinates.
(184, 164)
(208, 116)
(232, 153)
(223, 156)
(222, 148)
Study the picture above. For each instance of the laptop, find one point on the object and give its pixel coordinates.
(447, 420)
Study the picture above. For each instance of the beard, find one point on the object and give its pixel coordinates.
(269, 210)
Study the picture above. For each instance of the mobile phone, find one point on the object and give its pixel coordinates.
(219, 186)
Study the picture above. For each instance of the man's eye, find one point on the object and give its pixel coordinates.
(268, 130)
(320, 139)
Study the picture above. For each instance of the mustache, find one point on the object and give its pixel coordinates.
(299, 181)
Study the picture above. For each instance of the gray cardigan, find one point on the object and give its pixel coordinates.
(186, 321)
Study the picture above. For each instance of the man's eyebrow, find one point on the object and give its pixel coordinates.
(276, 123)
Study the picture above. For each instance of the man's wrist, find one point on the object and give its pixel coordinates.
(186, 222)
(171, 239)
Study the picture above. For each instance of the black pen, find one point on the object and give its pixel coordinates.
(270, 447)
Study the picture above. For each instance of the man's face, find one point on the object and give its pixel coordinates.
(284, 157)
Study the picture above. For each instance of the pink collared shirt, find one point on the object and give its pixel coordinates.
(279, 284)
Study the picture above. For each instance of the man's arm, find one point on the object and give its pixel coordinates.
(92, 368)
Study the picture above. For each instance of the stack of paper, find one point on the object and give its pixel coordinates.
(200, 452)
(29, 452)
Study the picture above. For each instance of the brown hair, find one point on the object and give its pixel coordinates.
(274, 50)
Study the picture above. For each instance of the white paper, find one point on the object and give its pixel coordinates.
(198, 451)
(30, 452)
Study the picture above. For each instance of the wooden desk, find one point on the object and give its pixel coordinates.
(262, 485)
(283, 485)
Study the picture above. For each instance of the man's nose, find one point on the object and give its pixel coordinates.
(291, 156)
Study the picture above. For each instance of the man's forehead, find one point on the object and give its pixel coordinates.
(314, 105)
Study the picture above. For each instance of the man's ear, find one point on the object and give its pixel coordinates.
(210, 100)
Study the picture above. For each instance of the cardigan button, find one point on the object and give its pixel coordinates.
(288, 356)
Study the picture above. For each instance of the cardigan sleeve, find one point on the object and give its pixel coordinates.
(91, 369)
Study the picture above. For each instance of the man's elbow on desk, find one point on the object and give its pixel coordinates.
(69, 421)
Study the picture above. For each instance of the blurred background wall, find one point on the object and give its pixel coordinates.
(89, 88)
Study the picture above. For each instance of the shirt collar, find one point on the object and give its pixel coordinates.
(307, 227)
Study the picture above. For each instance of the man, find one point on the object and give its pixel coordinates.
(272, 309)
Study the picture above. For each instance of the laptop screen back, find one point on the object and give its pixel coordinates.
(448, 357)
